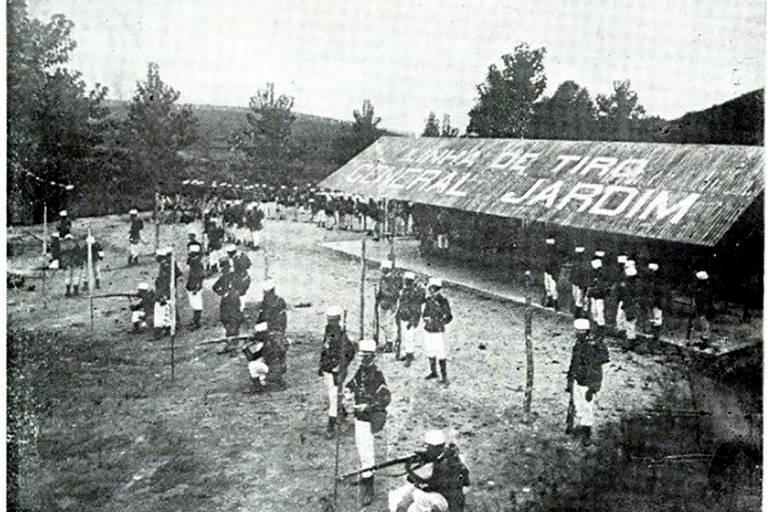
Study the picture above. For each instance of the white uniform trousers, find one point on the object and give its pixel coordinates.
(408, 337)
(621, 318)
(656, 317)
(550, 286)
(72, 276)
(162, 316)
(256, 238)
(330, 387)
(597, 311)
(365, 446)
(195, 300)
(258, 370)
(409, 498)
(138, 317)
(133, 249)
(584, 411)
(578, 296)
(387, 325)
(434, 344)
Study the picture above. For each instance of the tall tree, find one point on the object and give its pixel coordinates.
(265, 141)
(54, 124)
(620, 114)
(505, 106)
(446, 129)
(432, 128)
(363, 133)
(156, 130)
(568, 114)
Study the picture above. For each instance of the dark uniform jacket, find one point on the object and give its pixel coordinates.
(369, 387)
(70, 253)
(653, 291)
(409, 305)
(55, 248)
(599, 286)
(163, 281)
(628, 292)
(228, 287)
(241, 262)
(436, 313)
(196, 275)
(702, 298)
(65, 227)
(580, 275)
(146, 304)
(336, 343)
(389, 289)
(215, 238)
(552, 261)
(449, 476)
(135, 232)
(587, 360)
(273, 311)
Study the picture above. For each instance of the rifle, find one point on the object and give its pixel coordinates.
(226, 338)
(109, 295)
(414, 457)
(376, 324)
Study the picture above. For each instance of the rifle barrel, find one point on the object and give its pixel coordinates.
(392, 462)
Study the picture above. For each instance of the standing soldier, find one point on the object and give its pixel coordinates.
(409, 313)
(628, 295)
(273, 309)
(579, 281)
(703, 305)
(596, 293)
(142, 311)
(215, 241)
(371, 398)
(436, 313)
(386, 299)
(65, 224)
(441, 230)
(335, 356)
(55, 251)
(585, 376)
(239, 260)
(97, 256)
(444, 489)
(70, 263)
(229, 289)
(195, 283)
(162, 314)
(134, 237)
(551, 271)
(653, 297)
(375, 214)
(255, 218)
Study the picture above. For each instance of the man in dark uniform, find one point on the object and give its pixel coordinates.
(65, 224)
(436, 312)
(215, 241)
(580, 281)
(239, 260)
(371, 398)
(55, 248)
(134, 237)
(195, 283)
(266, 354)
(386, 299)
(409, 313)
(162, 314)
(273, 309)
(585, 376)
(628, 294)
(141, 312)
(443, 490)
(71, 261)
(551, 271)
(653, 299)
(228, 287)
(704, 308)
(335, 356)
(599, 286)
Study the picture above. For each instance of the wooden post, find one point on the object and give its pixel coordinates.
(89, 244)
(528, 350)
(173, 311)
(157, 220)
(339, 397)
(45, 254)
(362, 292)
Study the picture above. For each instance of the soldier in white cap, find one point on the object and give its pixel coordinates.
(142, 311)
(371, 398)
(580, 281)
(436, 313)
(551, 271)
(386, 299)
(195, 282)
(65, 224)
(266, 356)
(162, 314)
(335, 356)
(409, 313)
(71, 262)
(596, 293)
(585, 376)
(703, 306)
(653, 299)
(134, 237)
(443, 489)
(628, 296)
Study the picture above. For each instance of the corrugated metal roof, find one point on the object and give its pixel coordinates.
(683, 193)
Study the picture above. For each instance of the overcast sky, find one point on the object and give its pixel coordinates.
(410, 57)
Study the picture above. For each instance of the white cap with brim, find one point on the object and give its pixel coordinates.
(597, 263)
(260, 327)
(581, 324)
(653, 266)
(578, 249)
(63, 213)
(621, 258)
(268, 285)
(435, 282)
(702, 275)
(600, 254)
(194, 249)
(143, 286)
(367, 345)
(231, 248)
(630, 271)
(334, 311)
(68, 236)
(434, 437)
(550, 241)
(386, 264)
(409, 275)
(133, 212)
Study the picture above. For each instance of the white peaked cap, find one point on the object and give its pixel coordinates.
(334, 311)
(597, 263)
(367, 345)
(260, 327)
(409, 275)
(194, 248)
(600, 254)
(231, 248)
(134, 211)
(551, 241)
(386, 263)
(578, 249)
(630, 271)
(581, 324)
(702, 274)
(55, 234)
(435, 281)
(621, 258)
(143, 286)
(63, 213)
(68, 236)
(631, 263)
(653, 266)
(268, 285)
(434, 437)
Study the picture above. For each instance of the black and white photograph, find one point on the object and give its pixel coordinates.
(384, 255)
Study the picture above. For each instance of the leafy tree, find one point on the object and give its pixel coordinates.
(54, 125)
(363, 133)
(432, 128)
(265, 141)
(620, 115)
(505, 106)
(155, 130)
(447, 130)
(568, 114)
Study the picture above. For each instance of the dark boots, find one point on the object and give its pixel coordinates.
(196, 319)
(388, 349)
(69, 291)
(432, 369)
(98, 284)
(367, 491)
(330, 430)
(408, 360)
(75, 291)
(256, 386)
(136, 327)
(443, 372)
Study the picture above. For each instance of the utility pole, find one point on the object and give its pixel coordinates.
(528, 349)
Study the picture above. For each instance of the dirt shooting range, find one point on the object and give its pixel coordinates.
(357, 277)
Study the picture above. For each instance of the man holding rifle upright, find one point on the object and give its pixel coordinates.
(337, 352)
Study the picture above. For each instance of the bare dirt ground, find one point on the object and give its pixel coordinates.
(96, 423)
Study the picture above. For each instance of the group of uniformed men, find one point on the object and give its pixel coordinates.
(70, 253)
